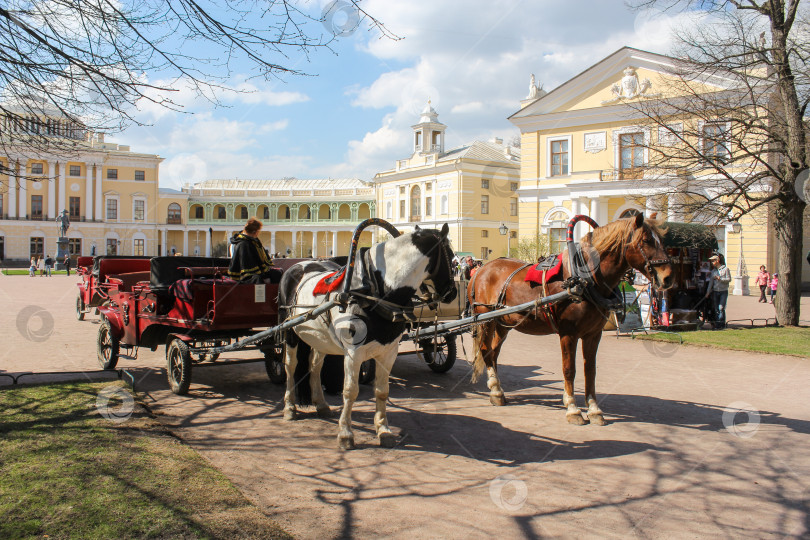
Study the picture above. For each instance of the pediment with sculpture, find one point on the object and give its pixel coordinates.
(630, 87)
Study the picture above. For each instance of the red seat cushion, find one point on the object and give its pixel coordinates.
(329, 282)
(535, 275)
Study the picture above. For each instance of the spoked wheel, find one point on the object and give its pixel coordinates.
(274, 364)
(107, 346)
(178, 366)
(79, 307)
(368, 371)
(443, 357)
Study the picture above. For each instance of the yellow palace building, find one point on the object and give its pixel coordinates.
(473, 188)
(572, 142)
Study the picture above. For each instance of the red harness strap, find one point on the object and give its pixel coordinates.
(329, 282)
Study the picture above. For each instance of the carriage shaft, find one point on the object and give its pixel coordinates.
(270, 332)
(481, 317)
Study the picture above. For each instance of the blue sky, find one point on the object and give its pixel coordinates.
(353, 117)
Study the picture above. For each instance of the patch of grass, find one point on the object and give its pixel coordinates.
(66, 472)
(789, 340)
(24, 272)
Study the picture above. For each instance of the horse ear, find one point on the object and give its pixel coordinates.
(639, 220)
(417, 228)
(445, 230)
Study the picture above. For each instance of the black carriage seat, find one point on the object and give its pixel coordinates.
(165, 271)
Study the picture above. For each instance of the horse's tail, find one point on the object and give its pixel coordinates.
(478, 363)
(303, 390)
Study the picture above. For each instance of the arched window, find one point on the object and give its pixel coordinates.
(174, 213)
(389, 210)
(303, 212)
(219, 212)
(443, 208)
(283, 212)
(363, 211)
(324, 212)
(241, 211)
(344, 212)
(416, 203)
(557, 226)
(630, 212)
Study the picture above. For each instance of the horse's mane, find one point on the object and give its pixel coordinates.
(612, 236)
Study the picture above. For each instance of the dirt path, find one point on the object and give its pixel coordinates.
(674, 460)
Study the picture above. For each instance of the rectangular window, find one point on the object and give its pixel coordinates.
(631, 155)
(485, 204)
(74, 204)
(75, 170)
(36, 168)
(37, 246)
(513, 207)
(138, 210)
(112, 174)
(138, 246)
(112, 246)
(484, 184)
(715, 142)
(36, 206)
(389, 212)
(513, 186)
(556, 239)
(559, 158)
(401, 209)
(75, 246)
(484, 252)
(428, 205)
(112, 209)
(140, 176)
(484, 233)
(402, 190)
(512, 234)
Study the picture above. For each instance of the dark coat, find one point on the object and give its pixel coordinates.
(249, 257)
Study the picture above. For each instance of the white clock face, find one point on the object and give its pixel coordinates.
(37, 185)
(74, 187)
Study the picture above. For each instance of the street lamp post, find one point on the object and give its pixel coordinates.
(741, 274)
(504, 230)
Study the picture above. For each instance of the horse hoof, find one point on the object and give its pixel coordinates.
(498, 401)
(289, 414)
(597, 419)
(346, 443)
(576, 419)
(325, 412)
(388, 440)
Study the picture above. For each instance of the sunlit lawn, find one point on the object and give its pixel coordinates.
(793, 341)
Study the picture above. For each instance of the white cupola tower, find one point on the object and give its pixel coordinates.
(428, 134)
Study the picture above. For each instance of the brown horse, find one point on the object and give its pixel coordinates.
(610, 251)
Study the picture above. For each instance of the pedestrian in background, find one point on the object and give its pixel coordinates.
(67, 264)
(718, 288)
(774, 285)
(764, 281)
(32, 270)
(48, 265)
(41, 266)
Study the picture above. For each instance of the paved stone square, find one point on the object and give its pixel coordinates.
(674, 461)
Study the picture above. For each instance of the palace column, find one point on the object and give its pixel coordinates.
(185, 242)
(334, 244)
(13, 180)
(207, 243)
(23, 175)
(315, 244)
(88, 192)
(163, 249)
(272, 243)
(294, 238)
(61, 187)
(99, 213)
(576, 209)
(51, 190)
(595, 214)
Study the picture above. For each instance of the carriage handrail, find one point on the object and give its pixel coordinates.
(270, 332)
(347, 279)
(481, 317)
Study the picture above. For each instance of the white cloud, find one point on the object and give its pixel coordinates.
(470, 106)
(252, 95)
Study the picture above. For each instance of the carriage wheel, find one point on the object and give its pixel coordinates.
(443, 358)
(107, 346)
(368, 370)
(274, 364)
(178, 366)
(79, 307)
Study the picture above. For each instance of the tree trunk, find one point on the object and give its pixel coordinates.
(789, 242)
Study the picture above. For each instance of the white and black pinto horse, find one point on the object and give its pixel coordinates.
(387, 276)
